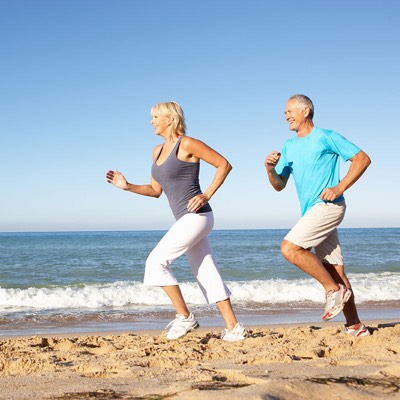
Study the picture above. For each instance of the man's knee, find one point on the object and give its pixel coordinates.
(289, 250)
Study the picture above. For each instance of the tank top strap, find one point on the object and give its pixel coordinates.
(176, 147)
(174, 150)
(159, 152)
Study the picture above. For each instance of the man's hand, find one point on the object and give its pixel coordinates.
(330, 194)
(271, 160)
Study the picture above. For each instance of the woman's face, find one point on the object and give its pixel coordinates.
(160, 123)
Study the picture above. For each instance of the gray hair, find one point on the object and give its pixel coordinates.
(304, 102)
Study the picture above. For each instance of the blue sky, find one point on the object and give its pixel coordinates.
(78, 79)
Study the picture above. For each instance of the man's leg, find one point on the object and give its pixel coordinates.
(349, 310)
(313, 230)
(309, 263)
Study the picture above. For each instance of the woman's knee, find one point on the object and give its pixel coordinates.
(149, 261)
(153, 264)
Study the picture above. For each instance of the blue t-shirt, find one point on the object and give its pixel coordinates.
(314, 163)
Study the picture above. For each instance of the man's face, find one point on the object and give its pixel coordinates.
(295, 116)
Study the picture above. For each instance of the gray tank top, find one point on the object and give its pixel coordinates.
(179, 180)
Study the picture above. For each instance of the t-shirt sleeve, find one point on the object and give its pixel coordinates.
(283, 167)
(340, 145)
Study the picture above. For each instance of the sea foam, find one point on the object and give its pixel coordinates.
(375, 287)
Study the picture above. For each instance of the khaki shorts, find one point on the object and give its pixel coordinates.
(318, 229)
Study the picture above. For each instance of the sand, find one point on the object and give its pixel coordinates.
(274, 363)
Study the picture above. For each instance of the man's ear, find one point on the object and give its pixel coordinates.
(306, 112)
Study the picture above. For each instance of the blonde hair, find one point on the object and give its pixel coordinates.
(174, 110)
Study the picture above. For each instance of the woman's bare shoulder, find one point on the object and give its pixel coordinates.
(189, 141)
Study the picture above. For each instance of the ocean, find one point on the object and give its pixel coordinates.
(66, 282)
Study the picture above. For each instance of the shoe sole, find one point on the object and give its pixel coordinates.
(189, 330)
(362, 333)
(237, 339)
(339, 308)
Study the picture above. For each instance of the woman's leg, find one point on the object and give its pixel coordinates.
(175, 295)
(186, 232)
(208, 277)
(226, 310)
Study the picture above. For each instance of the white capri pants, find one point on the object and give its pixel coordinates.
(188, 235)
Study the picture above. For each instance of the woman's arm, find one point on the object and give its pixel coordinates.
(193, 150)
(152, 190)
(117, 179)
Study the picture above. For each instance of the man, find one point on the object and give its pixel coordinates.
(312, 157)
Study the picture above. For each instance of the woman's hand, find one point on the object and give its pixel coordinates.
(117, 179)
(197, 202)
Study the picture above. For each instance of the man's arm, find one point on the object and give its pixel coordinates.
(359, 163)
(278, 182)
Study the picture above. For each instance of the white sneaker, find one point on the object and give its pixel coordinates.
(181, 325)
(239, 332)
(335, 301)
(360, 331)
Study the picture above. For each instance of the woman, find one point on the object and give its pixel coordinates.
(175, 170)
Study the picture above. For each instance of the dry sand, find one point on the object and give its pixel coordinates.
(277, 362)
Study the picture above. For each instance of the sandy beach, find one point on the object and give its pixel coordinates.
(275, 362)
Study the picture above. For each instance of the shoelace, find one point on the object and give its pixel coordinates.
(178, 318)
